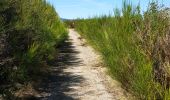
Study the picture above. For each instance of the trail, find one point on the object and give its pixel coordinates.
(77, 74)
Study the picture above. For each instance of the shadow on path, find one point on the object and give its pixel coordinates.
(58, 82)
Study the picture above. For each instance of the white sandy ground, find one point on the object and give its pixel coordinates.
(97, 85)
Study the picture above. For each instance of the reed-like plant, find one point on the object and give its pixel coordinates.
(30, 31)
(132, 46)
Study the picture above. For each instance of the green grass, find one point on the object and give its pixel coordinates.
(127, 42)
(32, 31)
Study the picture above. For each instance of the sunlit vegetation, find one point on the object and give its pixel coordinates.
(135, 47)
(30, 31)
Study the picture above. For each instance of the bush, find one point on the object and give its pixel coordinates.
(134, 47)
(30, 32)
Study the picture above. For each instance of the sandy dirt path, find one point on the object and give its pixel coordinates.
(78, 75)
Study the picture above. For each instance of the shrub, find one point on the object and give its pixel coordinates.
(134, 47)
(30, 32)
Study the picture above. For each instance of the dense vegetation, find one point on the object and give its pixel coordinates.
(135, 48)
(30, 31)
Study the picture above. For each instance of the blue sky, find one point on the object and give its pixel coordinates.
(72, 9)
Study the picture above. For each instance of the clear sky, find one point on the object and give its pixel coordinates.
(71, 9)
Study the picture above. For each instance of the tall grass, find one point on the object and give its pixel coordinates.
(134, 47)
(30, 31)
